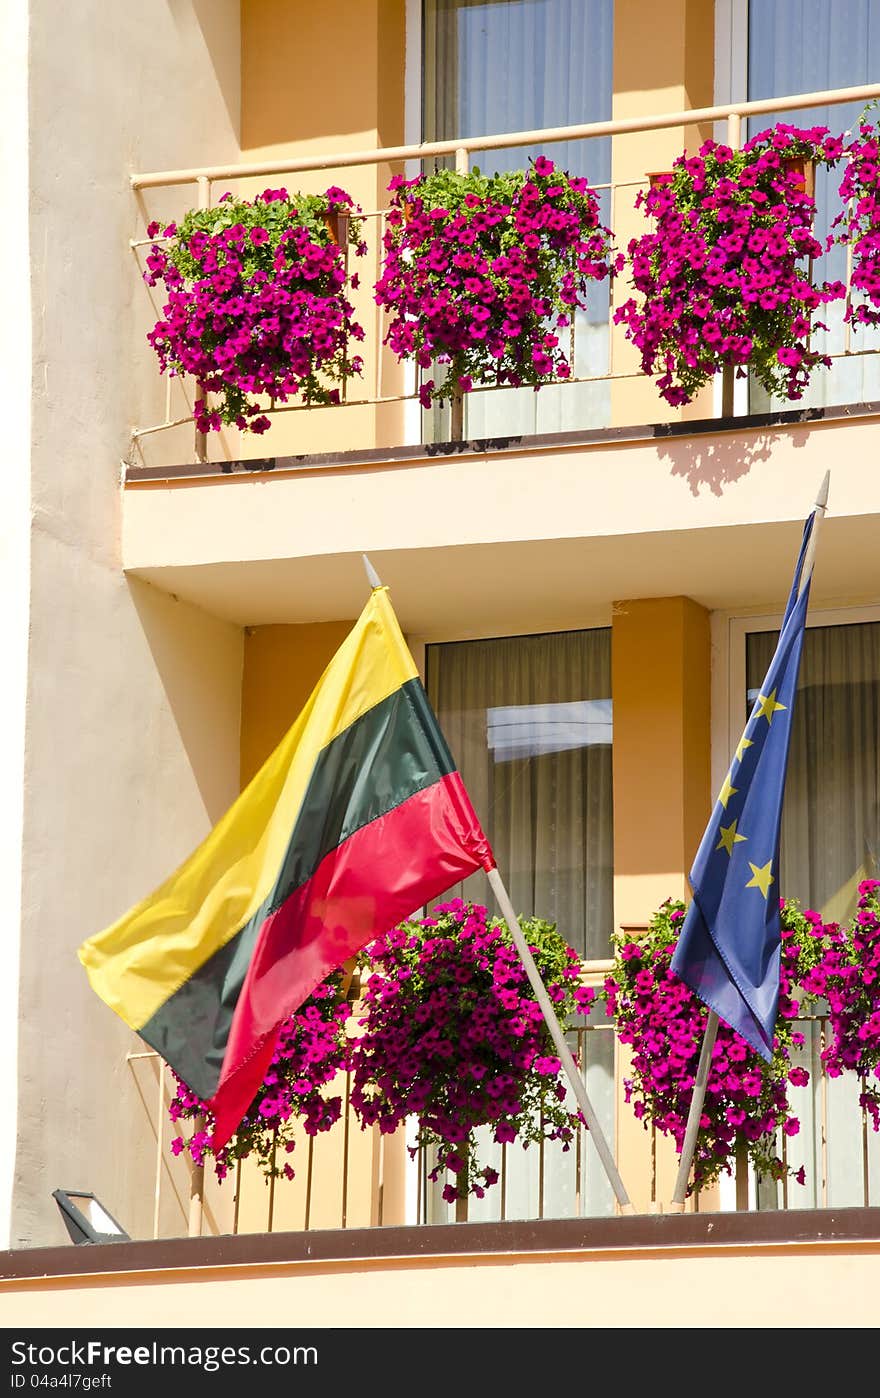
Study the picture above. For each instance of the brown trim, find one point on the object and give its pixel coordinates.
(424, 455)
(795, 1227)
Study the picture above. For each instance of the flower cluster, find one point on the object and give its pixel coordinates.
(453, 1035)
(746, 1101)
(310, 1052)
(724, 275)
(256, 303)
(483, 272)
(859, 222)
(853, 992)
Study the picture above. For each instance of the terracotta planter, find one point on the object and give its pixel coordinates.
(805, 171)
(658, 177)
(337, 227)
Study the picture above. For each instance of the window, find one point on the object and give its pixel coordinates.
(830, 840)
(490, 66)
(789, 46)
(831, 819)
(528, 719)
(529, 723)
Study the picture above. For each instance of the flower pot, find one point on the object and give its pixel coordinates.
(658, 177)
(337, 227)
(805, 170)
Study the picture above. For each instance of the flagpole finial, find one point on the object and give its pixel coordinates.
(372, 576)
(822, 497)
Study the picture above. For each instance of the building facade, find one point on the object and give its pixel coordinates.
(585, 556)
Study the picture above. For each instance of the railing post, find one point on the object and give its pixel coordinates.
(201, 438)
(456, 405)
(196, 1187)
(734, 140)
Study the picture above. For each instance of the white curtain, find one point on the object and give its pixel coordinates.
(814, 46)
(529, 723)
(830, 841)
(518, 65)
(528, 719)
(831, 817)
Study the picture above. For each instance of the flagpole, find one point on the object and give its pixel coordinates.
(702, 1077)
(552, 1021)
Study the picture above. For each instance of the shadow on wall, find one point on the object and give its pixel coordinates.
(220, 24)
(199, 664)
(714, 463)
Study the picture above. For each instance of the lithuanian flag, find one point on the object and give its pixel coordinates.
(357, 819)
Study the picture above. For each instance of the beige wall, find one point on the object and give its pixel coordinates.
(132, 740)
(16, 374)
(788, 1286)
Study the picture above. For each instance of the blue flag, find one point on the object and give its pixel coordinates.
(729, 947)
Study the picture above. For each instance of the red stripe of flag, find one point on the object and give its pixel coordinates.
(377, 877)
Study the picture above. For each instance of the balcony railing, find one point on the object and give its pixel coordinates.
(385, 384)
(352, 1170)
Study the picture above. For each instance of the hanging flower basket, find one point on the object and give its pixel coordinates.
(452, 1035)
(311, 1050)
(746, 1102)
(483, 273)
(257, 307)
(852, 988)
(724, 277)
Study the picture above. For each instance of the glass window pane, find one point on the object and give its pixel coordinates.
(812, 46)
(528, 719)
(831, 817)
(556, 71)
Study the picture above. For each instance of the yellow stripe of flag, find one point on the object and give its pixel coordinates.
(135, 964)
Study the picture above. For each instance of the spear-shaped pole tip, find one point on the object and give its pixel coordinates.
(372, 576)
(822, 497)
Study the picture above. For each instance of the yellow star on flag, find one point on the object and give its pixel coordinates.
(741, 746)
(768, 706)
(727, 791)
(761, 877)
(729, 837)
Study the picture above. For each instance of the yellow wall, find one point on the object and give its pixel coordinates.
(660, 661)
(282, 665)
(660, 678)
(329, 78)
(664, 60)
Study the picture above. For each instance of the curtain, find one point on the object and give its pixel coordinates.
(830, 840)
(529, 723)
(518, 65)
(528, 719)
(831, 817)
(812, 46)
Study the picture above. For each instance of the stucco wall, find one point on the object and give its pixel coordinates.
(133, 697)
(15, 371)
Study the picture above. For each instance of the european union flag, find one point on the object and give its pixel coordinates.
(729, 946)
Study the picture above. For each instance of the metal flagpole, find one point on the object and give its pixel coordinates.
(550, 1017)
(702, 1077)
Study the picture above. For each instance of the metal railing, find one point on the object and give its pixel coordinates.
(540, 1182)
(404, 388)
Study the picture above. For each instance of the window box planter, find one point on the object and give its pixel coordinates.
(481, 272)
(257, 308)
(724, 278)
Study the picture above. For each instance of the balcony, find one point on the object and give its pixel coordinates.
(529, 530)
(281, 540)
